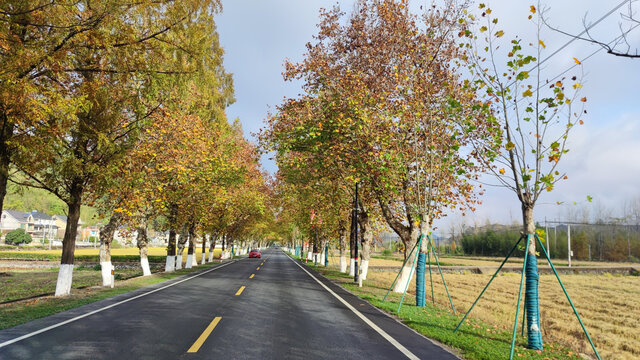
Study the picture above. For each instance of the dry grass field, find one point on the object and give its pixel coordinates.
(609, 306)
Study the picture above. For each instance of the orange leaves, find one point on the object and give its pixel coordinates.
(501, 171)
(584, 99)
(542, 44)
(577, 61)
(532, 9)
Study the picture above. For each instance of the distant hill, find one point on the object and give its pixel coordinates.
(27, 199)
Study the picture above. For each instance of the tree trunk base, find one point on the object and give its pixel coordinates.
(343, 264)
(144, 263)
(170, 265)
(364, 268)
(106, 273)
(65, 277)
(406, 275)
(352, 265)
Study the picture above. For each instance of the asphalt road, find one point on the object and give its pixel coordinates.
(281, 312)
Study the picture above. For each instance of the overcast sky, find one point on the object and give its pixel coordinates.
(604, 161)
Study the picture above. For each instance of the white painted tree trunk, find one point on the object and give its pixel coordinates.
(65, 277)
(321, 255)
(194, 260)
(106, 273)
(351, 267)
(189, 262)
(204, 259)
(144, 263)
(363, 269)
(210, 255)
(179, 260)
(343, 263)
(170, 265)
(310, 255)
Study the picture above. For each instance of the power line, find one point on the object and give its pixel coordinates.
(575, 38)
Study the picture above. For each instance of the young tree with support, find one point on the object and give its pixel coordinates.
(536, 114)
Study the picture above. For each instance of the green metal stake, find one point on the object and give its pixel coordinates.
(489, 283)
(433, 299)
(442, 275)
(524, 317)
(568, 298)
(515, 323)
(410, 272)
(394, 280)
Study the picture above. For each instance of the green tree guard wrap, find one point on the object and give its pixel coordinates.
(326, 256)
(420, 298)
(532, 308)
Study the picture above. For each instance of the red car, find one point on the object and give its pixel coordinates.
(255, 253)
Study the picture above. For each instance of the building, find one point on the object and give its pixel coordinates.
(13, 219)
(61, 223)
(37, 224)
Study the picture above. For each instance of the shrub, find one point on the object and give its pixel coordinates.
(17, 236)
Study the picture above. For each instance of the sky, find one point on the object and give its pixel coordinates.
(604, 158)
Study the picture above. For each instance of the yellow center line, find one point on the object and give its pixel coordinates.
(258, 268)
(261, 264)
(240, 291)
(205, 334)
(252, 275)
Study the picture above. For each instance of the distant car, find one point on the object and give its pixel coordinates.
(255, 253)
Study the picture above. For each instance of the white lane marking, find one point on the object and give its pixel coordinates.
(375, 327)
(26, 336)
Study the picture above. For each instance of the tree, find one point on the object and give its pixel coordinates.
(68, 152)
(17, 237)
(384, 106)
(620, 45)
(535, 114)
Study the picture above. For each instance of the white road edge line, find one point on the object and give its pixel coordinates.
(375, 327)
(26, 336)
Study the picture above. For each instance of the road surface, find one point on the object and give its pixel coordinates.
(269, 308)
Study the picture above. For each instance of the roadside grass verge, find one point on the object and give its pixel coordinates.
(17, 313)
(24, 284)
(476, 340)
(155, 255)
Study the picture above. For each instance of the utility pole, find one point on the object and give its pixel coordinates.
(569, 243)
(356, 275)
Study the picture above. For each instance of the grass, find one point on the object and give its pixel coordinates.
(18, 313)
(608, 304)
(155, 255)
(22, 284)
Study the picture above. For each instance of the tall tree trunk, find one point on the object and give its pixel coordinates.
(408, 269)
(143, 241)
(170, 265)
(367, 239)
(343, 249)
(191, 253)
(106, 237)
(204, 249)
(224, 244)
(212, 246)
(5, 159)
(352, 248)
(182, 240)
(65, 274)
(531, 272)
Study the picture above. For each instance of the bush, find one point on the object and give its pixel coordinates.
(17, 236)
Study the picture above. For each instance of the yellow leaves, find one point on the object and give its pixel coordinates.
(483, 29)
(558, 83)
(488, 11)
(577, 61)
(499, 33)
(577, 86)
(532, 9)
(542, 44)
(510, 146)
(501, 171)
(527, 93)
